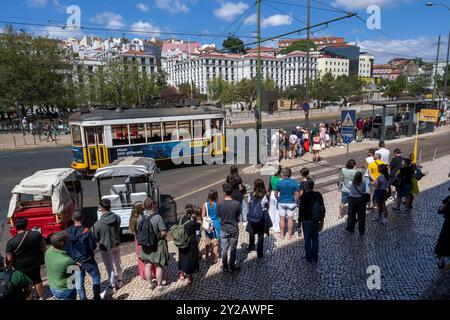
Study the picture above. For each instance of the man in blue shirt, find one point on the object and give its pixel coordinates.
(287, 194)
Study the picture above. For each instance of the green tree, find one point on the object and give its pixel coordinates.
(234, 45)
(245, 90)
(323, 88)
(347, 86)
(300, 45)
(295, 94)
(269, 85)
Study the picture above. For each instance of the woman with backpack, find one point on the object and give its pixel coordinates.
(259, 204)
(188, 257)
(212, 236)
(151, 234)
(357, 204)
(239, 190)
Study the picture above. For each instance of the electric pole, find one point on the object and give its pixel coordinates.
(258, 85)
(436, 70)
(446, 68)
(308, 37)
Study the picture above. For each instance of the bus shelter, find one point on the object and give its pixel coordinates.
(409, 107)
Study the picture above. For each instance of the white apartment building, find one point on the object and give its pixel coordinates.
(365, 65)
(337, 66)
(285, 70)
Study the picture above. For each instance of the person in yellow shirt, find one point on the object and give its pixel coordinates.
(372, 168)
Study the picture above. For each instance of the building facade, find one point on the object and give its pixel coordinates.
(365, 69)
(337, 66)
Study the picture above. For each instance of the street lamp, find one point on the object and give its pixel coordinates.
(430, 4)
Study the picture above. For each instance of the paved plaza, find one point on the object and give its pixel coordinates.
(403, 250)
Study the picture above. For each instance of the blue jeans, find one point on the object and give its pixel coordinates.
(367, 183)
(311, 236)
(92, 269)
(244, 210)
(64, 294)
(229, 243)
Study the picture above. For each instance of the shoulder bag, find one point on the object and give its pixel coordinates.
(366, 196)
(207, 222)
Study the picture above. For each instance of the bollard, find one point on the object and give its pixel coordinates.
(24, 141)
(34, 139)
(14, 138)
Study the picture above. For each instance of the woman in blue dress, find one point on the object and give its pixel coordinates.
(212, 236)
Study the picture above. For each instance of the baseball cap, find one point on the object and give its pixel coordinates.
(297, 127)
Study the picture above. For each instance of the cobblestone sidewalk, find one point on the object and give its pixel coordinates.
(403, 250)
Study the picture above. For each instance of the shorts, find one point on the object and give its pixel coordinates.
(404, 190)
(380, 195)
(345, 197)
(286, 209)
(34, 275)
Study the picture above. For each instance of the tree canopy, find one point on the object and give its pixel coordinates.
(234, 45)
(301, 45)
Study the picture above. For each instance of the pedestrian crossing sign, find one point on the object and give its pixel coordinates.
(348, 118)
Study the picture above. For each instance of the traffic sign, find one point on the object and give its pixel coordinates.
(348, 123)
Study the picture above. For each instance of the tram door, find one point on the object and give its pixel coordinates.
(97, 152)
(216, 136)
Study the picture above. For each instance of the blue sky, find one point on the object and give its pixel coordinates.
(408, 27)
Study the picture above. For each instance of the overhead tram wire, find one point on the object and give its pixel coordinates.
(131, 31)
(300, 6)
(293, 17)
(243, 20)
(245, 13)
(349, 15)
(363, 21)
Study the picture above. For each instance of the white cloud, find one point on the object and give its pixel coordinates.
(229, 10)
(145, 28)
(277, 20)
(59, 7)
(36, 3)
(384, 50)
(172, 6)
(252, 19)
(143, 7)
(109, 19)
(363, 4)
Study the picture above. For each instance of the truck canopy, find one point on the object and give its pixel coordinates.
(127, 167)
(46, 183)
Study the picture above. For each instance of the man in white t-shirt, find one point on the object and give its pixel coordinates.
(385, 153)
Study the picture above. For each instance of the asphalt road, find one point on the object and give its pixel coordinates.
(179, 186)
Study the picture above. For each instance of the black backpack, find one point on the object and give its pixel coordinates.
(318, 212)
(7, 290)
(146, 235)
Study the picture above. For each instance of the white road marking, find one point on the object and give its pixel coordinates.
(198, 190)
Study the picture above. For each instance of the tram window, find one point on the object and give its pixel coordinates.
(154, 132)
(90, 135)
(216, 124)
(119, 135)
(76, 135)
(137, 133)
(199, 129)
(169, 130)
(184, 130)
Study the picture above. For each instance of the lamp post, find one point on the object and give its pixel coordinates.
(430, 4)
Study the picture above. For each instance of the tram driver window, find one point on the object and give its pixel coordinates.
(199, 129)
(169, 131)
(119, 135)
(76, 136)
(137, 133)
(154, 132)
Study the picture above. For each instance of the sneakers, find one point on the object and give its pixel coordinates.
(119, 283)
(107, 293)
(376, 219)
(384, 221)
(395, 208)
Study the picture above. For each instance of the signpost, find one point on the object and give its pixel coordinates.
(348, 123)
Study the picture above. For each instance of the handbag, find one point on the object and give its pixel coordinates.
(207, 222)
(365, 195)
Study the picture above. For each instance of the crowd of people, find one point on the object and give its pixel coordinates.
(264, 210)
